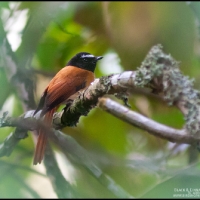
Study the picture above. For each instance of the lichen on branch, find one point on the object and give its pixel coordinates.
(161, 72)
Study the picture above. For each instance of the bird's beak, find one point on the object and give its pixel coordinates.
(99, 57)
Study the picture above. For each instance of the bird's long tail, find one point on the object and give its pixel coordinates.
(42, 138)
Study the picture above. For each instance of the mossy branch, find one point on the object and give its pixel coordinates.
(161, 73)
(158, 71)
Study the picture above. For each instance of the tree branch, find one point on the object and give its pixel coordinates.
(159, 72)
(140, 121)
(86, 100)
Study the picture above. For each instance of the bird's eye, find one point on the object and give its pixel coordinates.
(84, 60)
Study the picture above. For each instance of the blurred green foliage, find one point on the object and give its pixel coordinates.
(143, 165)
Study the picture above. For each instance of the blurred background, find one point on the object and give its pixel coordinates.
(43, 36)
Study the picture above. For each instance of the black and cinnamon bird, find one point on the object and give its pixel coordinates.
(77, 75)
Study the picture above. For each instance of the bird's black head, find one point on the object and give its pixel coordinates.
(84, 60)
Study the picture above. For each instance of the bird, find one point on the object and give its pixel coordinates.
(75, 76)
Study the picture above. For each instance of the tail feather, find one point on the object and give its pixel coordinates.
(42, 139)
(40, 147)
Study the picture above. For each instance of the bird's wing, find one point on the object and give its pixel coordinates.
(67, 82)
